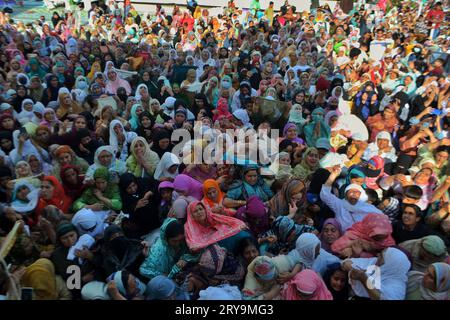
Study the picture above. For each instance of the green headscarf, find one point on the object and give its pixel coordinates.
(102, 173)
(434, 245)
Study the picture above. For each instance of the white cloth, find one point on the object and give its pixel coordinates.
(89, 222)
(85, 241)
(113, 141)
(305, 250)
(346, 213)
(223, 292)
(167, 160)
(391, 276)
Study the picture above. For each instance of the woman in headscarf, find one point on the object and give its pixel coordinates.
(425, 251)
(213, 198)
(142, 162)
(286, 233)
(120, 139)
(290, 132)
(22, 94)
(49, 119)
(65, 155)
(255, 215)
(296, 117)
(365, 238)
(45, 283)
(24, 198)
(167, 168)
(26, 113)
(374, 172)
(67, 106)
(85, 146)
(24, 173)
(382, 146)
(36, 88)
(169, 254)
(187, 186)
(308, 165)
(52, 194)
(306, 285)
(292, 191)
(145, 125)
(96, 67)
(393, 269)
(115, 82)
(356, 175)
(331, 231)
(204, 228)
(139, 197)
(161, 142)
(261, 279)
(251, 184)
(366, 103)
(72, 181)
(281, 166)
(52, 90)
(201, 172)
(135, 111)
(103, 195)
(433, 284)
(317, 128)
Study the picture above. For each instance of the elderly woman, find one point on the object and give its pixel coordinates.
(308, 165)
(433, 284)
(103, 195)
(143, 161)
(65, 156)
(382, 146)
(425, 251)
(251, 185)
(104, 158)
(120, 139)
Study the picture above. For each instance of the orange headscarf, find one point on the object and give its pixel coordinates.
(59, 199)
(208, 184)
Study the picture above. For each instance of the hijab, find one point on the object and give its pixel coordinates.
(308, 282)
(162, 169)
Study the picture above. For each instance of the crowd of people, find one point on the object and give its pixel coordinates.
(98, 202)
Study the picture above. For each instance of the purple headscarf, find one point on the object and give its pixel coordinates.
(188, 186)
(337, 225)
(255, 214)
(285, 130)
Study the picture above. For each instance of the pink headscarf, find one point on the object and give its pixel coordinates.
(222, 109)
(218, 227)
(372, 225)
(307, 282)
(371, 182)
(188, 186)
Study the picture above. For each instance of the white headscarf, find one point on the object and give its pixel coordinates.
(167, 160)
(305, 249)
(223, 292)
(113, 141)
(88, 222)
(392, 274)
(32, 197)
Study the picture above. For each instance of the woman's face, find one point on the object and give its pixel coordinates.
(180, 118)
(67, 99)
(65, 158)
(139, 148)
(330, 233)
(250, 253)
(146, 76)
(132, 188)
(69, 239)
(49, 116)
(205, 168)
(176, 242)
(285, 160)
(212, 194)
(71, 176)
(28, 106)
(80, 123)
(441, 157)
(199, 214)
(146, 122)
(423, 176)
(22, 170)
(105, 158)
(299, 97)
(101, 184)
(388, 113)
(22, 193)
(251, 177)
(6, 144)
(173, 169)
(118, 129)
(8, 124)
(429, 279)
(47, 190)
(382, 143)
(338, 280)
(312, 158)
(35, 83)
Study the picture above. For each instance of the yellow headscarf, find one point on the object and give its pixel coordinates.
(41, 277)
